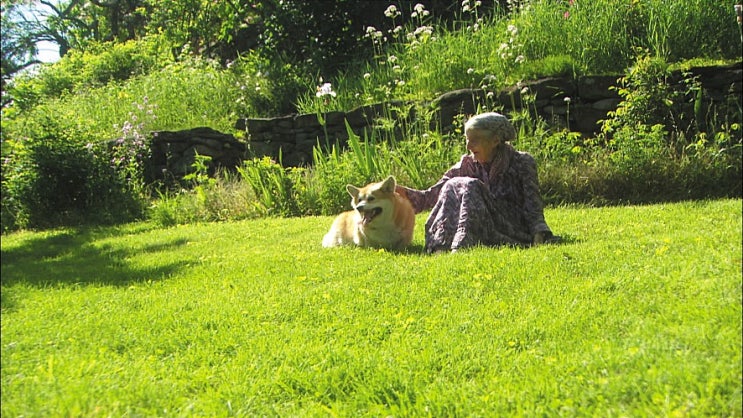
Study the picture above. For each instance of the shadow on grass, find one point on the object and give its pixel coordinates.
(71, 257)
(564, 239)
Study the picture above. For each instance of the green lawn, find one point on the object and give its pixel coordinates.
(637, 313)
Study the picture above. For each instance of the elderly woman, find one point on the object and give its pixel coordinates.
(490, 197)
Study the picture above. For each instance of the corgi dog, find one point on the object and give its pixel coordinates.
(381, 218)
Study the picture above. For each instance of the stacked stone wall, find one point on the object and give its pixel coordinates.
(575, 103)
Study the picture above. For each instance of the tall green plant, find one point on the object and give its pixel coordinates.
(271, 184)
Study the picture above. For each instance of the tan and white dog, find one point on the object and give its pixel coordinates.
(381, 218)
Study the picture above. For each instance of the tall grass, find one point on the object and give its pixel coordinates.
(253, 318)
(532, 39)
(184, 95)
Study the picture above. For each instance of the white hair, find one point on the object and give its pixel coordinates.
(495, 123)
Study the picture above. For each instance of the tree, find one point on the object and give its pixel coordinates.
(18, 48)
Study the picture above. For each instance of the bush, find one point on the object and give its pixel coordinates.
(95, 66)
(52, 179)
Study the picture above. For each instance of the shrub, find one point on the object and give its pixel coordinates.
(95, 66)
(271, 185)
(51, 179)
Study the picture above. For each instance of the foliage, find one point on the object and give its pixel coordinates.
(50, 180)
(648, 98)
(637, 313)
(421, 58)
(18, 50)
(181, 95)
(223, 197)
(271, 185)
(81, 70)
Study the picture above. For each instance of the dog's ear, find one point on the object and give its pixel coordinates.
(388, 186)
(352, 190)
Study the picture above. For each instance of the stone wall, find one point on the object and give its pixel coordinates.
(294, 136)
(173, 152)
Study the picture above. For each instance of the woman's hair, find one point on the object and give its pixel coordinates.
(495, 123)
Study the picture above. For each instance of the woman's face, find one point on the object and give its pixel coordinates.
(481, 144)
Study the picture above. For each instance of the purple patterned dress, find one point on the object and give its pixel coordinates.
(476, 203)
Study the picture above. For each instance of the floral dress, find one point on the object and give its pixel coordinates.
(483, 204)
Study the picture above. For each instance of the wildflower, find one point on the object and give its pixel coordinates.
(419, 11)
(367, 76)
(513, 30)
(467, 7)
(392, 11)
(520, 59)
(567, 99)
(325, 90)
(470, 71)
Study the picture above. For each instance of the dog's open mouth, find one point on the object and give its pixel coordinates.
(369, 215)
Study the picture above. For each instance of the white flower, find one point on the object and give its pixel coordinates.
(520, 59)
(470, 71)
(325, 90)
(567, 99)
(367, 76)
(392, 11)
(392, 58)
(513, 30)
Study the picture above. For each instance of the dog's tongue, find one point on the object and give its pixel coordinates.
(368, 215)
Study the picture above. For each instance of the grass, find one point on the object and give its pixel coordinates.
(637, 313)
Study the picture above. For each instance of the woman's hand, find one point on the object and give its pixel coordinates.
(538, 238)
(545, 237)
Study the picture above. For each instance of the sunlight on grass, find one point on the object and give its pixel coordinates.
(637, 313)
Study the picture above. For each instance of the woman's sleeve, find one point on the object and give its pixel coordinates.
(533, 206)
(425, 199)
